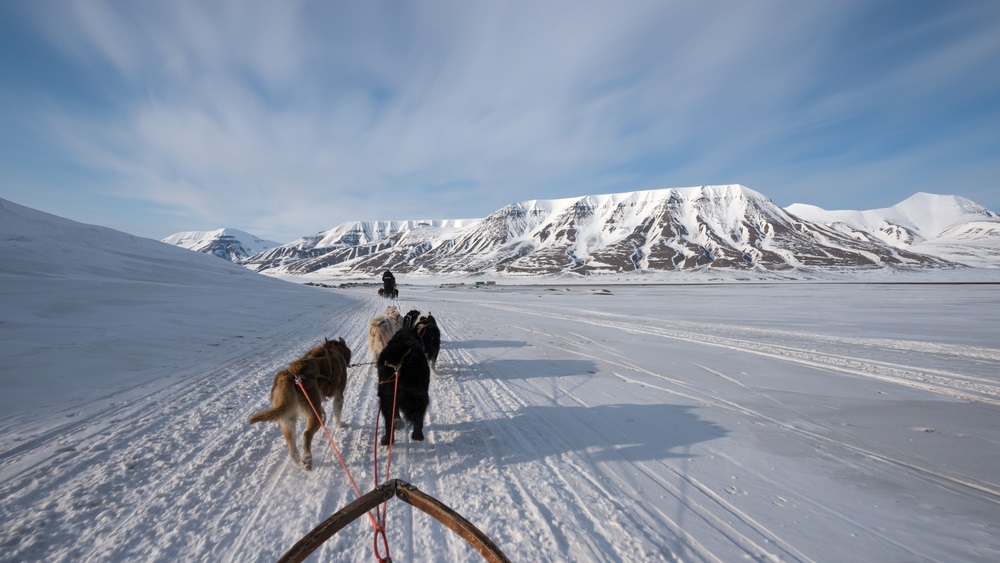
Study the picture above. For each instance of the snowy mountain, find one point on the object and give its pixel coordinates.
(945, 226)
(232, 244)
(731, 227)
(351, 241)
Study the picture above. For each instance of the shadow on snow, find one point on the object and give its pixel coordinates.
(614, 432)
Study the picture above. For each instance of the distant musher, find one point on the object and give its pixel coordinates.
(389, 284)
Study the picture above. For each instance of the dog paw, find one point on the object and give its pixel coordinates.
(417, 434)
(307, 463)
(385, 440)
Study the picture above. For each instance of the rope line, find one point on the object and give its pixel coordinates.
(382, 513)
(380, 518)
(298, 381)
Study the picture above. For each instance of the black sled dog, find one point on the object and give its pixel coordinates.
(428, 333)
(403, 355)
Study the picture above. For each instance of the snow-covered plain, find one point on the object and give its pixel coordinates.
(701, 422)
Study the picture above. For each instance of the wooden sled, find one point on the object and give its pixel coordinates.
(408, 494)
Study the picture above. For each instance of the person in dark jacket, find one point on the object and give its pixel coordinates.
(389, 281)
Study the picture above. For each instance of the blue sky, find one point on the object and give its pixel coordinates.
(287, 118)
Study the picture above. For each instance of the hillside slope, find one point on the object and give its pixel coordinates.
(944, 226)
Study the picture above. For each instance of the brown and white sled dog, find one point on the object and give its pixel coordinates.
(381, 328)
(323, 372)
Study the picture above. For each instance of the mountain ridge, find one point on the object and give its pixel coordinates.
(727, 226)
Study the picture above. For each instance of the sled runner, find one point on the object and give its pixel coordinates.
(408, 494)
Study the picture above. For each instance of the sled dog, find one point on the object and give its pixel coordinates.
(323, 373)
(403, 355)
(428, 333)
(381, 328)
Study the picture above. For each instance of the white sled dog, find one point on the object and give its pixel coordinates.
(381, 328)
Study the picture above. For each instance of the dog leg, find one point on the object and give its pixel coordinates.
(418, 422)
(287, 429)
(338, 407)
(387, 417)
(312, 425)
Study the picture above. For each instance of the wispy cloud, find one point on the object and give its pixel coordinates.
(284, 118)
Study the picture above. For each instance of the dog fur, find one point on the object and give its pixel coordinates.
(428, 333)
(323, 371)
(404, 354)
(381, 328)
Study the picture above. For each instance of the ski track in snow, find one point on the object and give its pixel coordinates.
(548, 467)
(959, 385)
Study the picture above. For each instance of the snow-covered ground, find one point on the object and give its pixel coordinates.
(703, 422)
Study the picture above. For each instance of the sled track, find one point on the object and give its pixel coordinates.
(988, 491)
(548, 508)
(103, 477)
(611, 525)
(578, 345)
(962, 386)
(679, 536)
(528, 453)
(724, 518)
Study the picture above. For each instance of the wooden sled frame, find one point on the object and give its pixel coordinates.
(408, 494)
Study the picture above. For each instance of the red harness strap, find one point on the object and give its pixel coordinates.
(298, 381)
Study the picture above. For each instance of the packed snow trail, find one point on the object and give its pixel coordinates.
(568, 424)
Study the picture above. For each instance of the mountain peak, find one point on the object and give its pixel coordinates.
(232, 244)
(954, 204)
(933, 214)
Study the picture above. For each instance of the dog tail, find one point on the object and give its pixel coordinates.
(270, 415)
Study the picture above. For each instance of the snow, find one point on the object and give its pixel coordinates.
(659, 422)
(199, 240)
(370, 231)
(928, 215)
(948, 227)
